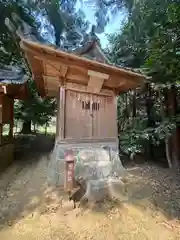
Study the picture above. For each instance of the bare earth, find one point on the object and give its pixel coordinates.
(32, 210)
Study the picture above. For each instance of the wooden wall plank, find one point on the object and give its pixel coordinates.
(78, 119)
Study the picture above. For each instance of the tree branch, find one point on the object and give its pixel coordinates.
(108, 3)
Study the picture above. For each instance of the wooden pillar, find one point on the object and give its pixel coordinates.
(11, 119)
(116, 115)
(58, 115)
(91, 114)
(61, 114)
(1, 117)
(1, 133)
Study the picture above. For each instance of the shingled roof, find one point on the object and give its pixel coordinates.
(12, 75)
(91, 44)
(14, 81)
(86, 50)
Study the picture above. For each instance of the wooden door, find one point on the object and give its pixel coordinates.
(89, 116)
(78, 119)
(104, 117)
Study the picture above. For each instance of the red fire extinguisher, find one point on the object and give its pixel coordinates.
(69, 167)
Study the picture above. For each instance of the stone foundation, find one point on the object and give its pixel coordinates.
(56, 170)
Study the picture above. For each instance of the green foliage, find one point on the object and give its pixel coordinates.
(149, 39)
(164, 58)
(34, 108)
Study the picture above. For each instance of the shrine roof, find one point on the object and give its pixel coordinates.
(14, 80)
(12, 75)
(52, 67)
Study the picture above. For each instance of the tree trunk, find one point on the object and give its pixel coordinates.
(16, 127)
(127, 108)
(134, 104)
(167, 139)
(150, 120)
(172, 107)
(168, 153)
(34, 128)
(46, 129)
(26, 129)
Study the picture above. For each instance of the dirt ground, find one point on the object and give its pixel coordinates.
(30, 209)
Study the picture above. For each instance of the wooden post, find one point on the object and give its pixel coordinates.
(11, 120)
(0, 133)
(1, 117)
(61, 114)
(91, 113)
(58, 114)
(116, 116)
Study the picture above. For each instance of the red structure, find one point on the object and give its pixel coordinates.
(12, 86)
(69, 170)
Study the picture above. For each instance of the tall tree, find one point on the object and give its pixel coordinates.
(64, 24)
(150, 38)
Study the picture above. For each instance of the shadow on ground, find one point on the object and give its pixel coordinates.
(29, 145)
(156, 188)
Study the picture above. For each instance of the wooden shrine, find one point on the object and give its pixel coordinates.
(86, 90)
(12, 86)
(83, 81)
(86, 86)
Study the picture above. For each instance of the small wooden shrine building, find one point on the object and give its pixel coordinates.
(12, 86)
(86, 89)
(83, 81)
